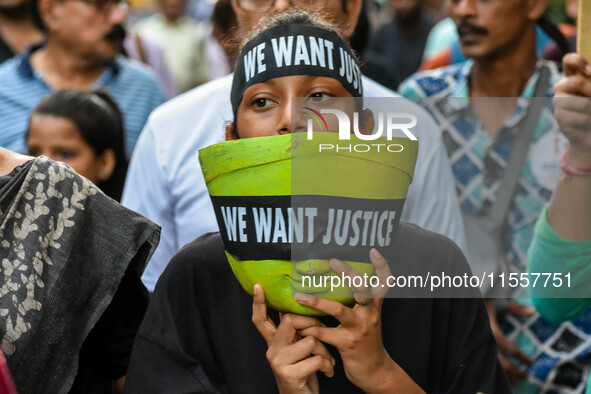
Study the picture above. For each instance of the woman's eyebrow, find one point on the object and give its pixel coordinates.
(275, 81)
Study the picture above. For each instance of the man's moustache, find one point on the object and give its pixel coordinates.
(469, 28)
(116, 33)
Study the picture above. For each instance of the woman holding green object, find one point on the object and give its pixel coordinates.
(198, 334)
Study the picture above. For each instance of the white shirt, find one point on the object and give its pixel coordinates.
(183, 45)
(165, 182)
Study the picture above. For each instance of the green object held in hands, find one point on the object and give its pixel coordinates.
(265, 191)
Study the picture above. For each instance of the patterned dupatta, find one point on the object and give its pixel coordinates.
(64, 247)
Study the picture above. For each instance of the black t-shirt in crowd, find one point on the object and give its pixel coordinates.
(197, 335)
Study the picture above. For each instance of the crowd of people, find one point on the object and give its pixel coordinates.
(115, 276)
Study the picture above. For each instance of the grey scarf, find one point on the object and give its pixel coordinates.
(64, 247)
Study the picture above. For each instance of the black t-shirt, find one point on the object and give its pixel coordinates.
(197, 335)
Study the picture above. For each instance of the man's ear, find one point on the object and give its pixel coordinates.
(367, 122)
(245, 20)
(352, 9)
(236, 7)
(536, 9)
(107, 163)
(230, 132)
(48, 13)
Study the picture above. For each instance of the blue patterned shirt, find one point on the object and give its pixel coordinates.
(479, 160)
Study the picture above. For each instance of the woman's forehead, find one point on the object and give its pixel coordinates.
(302, 82)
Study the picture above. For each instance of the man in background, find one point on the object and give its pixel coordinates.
(480, 130)
(17, 29)
(182, 40)
(81, 50)
(396, 49)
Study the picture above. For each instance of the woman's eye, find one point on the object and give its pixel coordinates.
(33, 152)
(262, 102)
(65, 154)
(319, 96)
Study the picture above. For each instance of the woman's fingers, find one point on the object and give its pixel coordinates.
(347, 271)
(259, 315)
(364, 293)
(302, 349)
(310, 365)
(286, 333)
(323, 334)
(293, 359)
(337, 310)
(382, 271)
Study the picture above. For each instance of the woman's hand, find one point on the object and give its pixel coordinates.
(294, 358)
(359, 336)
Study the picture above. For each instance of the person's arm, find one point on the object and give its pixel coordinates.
(550, 253)
(147, 192)
(562, 238)
(569, 212)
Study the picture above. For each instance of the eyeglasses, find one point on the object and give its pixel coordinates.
(267, 5)
(106, 6)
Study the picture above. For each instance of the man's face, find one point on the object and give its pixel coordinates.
(489, 27)
(172, 9)
(90, 28)
(343, 17)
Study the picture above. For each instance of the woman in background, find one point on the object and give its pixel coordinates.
(85, 131)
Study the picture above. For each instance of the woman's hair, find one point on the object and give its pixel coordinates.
(289, 18)
(100, 123)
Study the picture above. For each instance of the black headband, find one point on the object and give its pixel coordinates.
(295, 50)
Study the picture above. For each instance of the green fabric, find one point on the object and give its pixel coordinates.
(549, 252)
